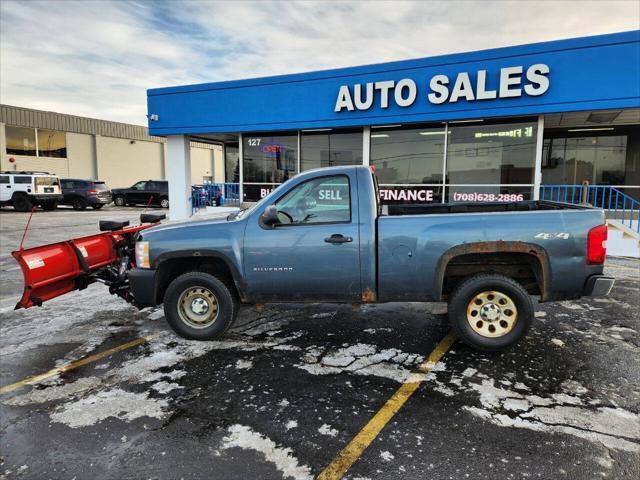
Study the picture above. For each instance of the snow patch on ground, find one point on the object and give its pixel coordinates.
(291, 424)
(361, 359)
(244, 437)
(560, 413)
(115, 403)
(326, 429)
(244, 364)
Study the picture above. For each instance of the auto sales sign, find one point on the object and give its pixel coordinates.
(508, 82)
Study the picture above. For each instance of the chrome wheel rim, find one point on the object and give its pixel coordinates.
(164, 203)
(198, 307)
(492, 314)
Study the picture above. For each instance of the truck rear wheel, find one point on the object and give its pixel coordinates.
(21, 203)
(199, 306)
(490, 312)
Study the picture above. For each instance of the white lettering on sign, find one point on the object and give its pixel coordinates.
(421, 195)
(329, 195)
(509, 82)
(265, 191)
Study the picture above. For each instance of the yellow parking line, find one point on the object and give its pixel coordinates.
(350, 454)
(74, 365)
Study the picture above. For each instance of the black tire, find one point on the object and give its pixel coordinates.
(119, 201)
(79, 203)
(49, 206)
(471, 289)
(164, 202)
(21, 203)
(227, 306)
(97, 206)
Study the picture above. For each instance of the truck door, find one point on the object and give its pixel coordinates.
(313, 252)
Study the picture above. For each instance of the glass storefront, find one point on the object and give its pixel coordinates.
(606, 156)
(484, 161)
(270, 158)
(408, 156)
(475, 161)
(330, 149)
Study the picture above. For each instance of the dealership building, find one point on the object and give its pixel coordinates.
(500, 124)
(79, 147)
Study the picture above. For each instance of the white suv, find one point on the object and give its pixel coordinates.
(23, 190)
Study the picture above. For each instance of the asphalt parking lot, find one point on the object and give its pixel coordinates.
(291, 385)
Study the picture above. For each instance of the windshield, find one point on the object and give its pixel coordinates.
(46, 181)
(274, 194)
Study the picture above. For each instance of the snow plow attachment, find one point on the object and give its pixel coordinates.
(58, 268)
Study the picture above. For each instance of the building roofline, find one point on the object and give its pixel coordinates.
(461, 57)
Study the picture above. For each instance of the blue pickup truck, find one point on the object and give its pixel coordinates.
(324, 237)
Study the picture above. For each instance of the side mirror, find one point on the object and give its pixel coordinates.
(270, 216)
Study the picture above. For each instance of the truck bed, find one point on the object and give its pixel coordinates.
(448, 208)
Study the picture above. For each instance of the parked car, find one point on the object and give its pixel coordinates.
(324, 237)
(146, 192)
(23, 190)
(81, 194)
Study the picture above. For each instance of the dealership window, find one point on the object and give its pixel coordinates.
(408, 156)
(269, 158)
(51, 143)
(35, 142)
(21, 141)
(607, 157)
(501, 153)
(328, 148)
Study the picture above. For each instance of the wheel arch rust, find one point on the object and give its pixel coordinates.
(533, 250)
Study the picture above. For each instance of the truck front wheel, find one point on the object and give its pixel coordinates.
(199, 306)
(490, 312)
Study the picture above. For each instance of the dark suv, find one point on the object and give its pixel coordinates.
(81, 194)
(146, 192)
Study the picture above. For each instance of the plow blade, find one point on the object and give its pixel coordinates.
(58, 268)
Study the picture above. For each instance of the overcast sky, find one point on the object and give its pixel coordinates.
(97, 58)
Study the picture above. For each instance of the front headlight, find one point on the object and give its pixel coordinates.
(142, 255)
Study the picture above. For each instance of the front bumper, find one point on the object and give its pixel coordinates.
(142, 282)
(99, 200)
(598, 286)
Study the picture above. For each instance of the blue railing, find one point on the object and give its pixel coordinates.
(617, 204)
(215, 195)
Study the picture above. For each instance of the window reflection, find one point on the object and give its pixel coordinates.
(491, 154)
(52, 143)
(408, 155)
(21, 141)
(330, 149)
(269, 158)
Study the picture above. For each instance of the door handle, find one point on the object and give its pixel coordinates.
(337, 238)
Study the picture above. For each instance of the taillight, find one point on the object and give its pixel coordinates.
(597, 245)
(92, 191)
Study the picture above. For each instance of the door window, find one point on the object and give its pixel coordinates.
(4, 178)
(139, 186)
(321, 200)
